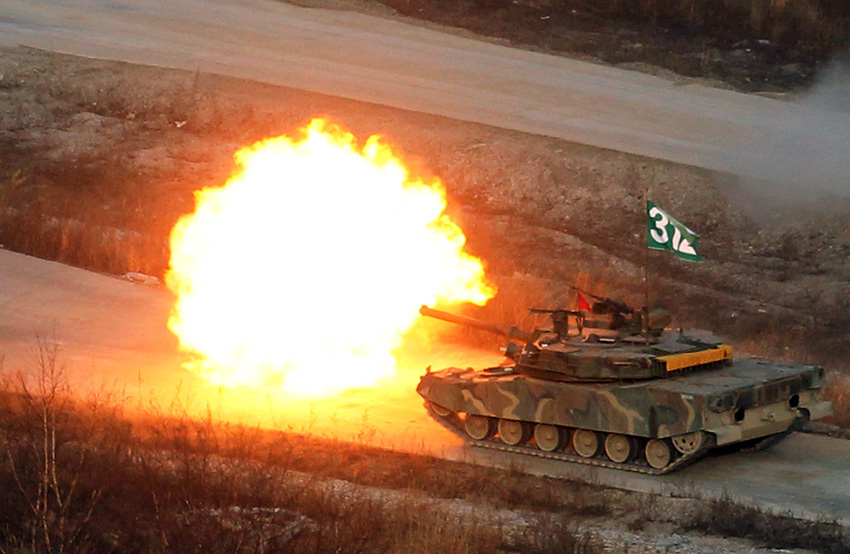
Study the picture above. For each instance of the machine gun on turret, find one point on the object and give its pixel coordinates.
(647, 320)
(614, 313)
(604, 305)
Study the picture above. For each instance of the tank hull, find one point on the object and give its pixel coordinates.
(749, 399)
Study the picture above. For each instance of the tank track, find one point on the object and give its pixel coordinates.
(454, 424)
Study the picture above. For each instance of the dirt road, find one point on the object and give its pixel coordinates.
(397, 64)
(105, 326)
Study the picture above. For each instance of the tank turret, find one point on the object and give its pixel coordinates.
(613, 347)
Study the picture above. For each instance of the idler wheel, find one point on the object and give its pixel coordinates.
(620, 448)
(439, 410)
(586, 443)
(479, 427)
(658, 453)
(513, 432)
(688, 443)
(549, 438)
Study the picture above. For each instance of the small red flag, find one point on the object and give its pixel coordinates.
(583, 304)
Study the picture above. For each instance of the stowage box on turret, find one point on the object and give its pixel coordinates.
(617, 389)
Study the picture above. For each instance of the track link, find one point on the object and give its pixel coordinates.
(454, 424)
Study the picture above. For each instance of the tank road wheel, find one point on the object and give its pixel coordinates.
(689, 443)
(586, 443)
(620, 448)
(658, 453)
(549, 438)
(479, 427)
(514, 433)
(439, 410)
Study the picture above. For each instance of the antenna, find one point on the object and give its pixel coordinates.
(645, 318)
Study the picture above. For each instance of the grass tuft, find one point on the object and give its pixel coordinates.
(726, 517)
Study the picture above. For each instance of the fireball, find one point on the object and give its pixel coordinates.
(303, 272)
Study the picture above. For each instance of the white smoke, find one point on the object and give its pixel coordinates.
(801, 158)
(832, 90)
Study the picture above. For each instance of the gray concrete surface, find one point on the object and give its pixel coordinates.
(112, 335)
(806, 475)
(397, 64)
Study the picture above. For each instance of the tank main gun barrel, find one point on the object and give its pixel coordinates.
(502, 329)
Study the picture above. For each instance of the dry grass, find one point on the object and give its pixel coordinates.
(82, 477)
(728, 518)
(81, 243)
(838, 391)
(812, 28)
(81, 196)
(803, 24)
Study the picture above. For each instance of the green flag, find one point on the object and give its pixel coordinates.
(666, 233)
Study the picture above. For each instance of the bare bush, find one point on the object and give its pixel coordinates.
(45, 461)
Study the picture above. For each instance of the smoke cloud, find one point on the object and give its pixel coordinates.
(801, 157)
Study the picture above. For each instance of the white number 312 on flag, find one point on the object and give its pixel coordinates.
(666, 233)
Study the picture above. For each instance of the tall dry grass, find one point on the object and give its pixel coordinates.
(50, 444)
(95, 209)
(837, 391)
(82, 476)
(728, 518)
(82, 244)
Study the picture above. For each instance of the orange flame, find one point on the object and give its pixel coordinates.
(304, 271)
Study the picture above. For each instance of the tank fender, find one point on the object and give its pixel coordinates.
(742, 424)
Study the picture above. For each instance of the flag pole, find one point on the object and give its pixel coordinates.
(645, 317)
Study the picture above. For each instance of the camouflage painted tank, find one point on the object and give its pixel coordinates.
(616, 389)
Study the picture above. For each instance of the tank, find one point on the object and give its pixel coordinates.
(613, 386)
